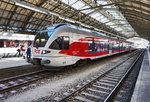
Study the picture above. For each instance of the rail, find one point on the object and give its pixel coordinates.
(97, 78)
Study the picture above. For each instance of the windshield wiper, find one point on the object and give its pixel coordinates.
(37, 45)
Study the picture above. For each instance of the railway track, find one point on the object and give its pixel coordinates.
(102, 87)
(21, 80)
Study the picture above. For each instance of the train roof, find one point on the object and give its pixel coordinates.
(15, 36)
(54, 26)
(47, 28)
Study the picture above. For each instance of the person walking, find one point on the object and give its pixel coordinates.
(21, 50)
(18, 52)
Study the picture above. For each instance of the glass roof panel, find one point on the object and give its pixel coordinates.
(103, 19)
(129, 28)
(123, 22)
(94, 15)
(107, 7)
(87, 11)
(65, 1)
(118, 29)
(101, 2)
(113, 26)
(78, 5)
(114, 13)
(110, 23)
(71, 2)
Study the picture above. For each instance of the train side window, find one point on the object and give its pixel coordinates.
(101, 46)
(57, 44)
(16, 44)
(61, 43)
(93, 46)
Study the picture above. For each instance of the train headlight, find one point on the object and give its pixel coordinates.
(45, 51)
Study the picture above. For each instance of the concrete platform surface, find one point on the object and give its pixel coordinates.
(12, 62)
(142, 89)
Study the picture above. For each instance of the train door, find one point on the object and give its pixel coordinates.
(63, 43)
(1, 48)
(66, 46)
(110, 47)
(73, 39)
(1, 43)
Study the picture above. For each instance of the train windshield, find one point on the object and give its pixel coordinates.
(41, 39)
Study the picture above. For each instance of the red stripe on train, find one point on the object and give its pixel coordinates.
(80, 49)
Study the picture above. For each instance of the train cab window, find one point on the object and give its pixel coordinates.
(41, 39)
(61, 43)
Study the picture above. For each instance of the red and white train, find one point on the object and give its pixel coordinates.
(65, 44)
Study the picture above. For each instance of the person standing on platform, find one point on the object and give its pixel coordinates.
(21, 50)
(28, 52)
(18, 52)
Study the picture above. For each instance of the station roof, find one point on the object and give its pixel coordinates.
(125, 18)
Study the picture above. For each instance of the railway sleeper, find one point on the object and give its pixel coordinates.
(104, 84)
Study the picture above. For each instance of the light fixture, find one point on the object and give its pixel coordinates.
(31, 7)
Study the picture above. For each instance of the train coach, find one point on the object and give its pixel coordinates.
(65, 44)
(10, 42)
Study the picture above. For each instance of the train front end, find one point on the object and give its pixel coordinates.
(39, 49)
(45, 49)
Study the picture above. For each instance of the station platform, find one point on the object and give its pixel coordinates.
(12, 62)
(142, 89)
